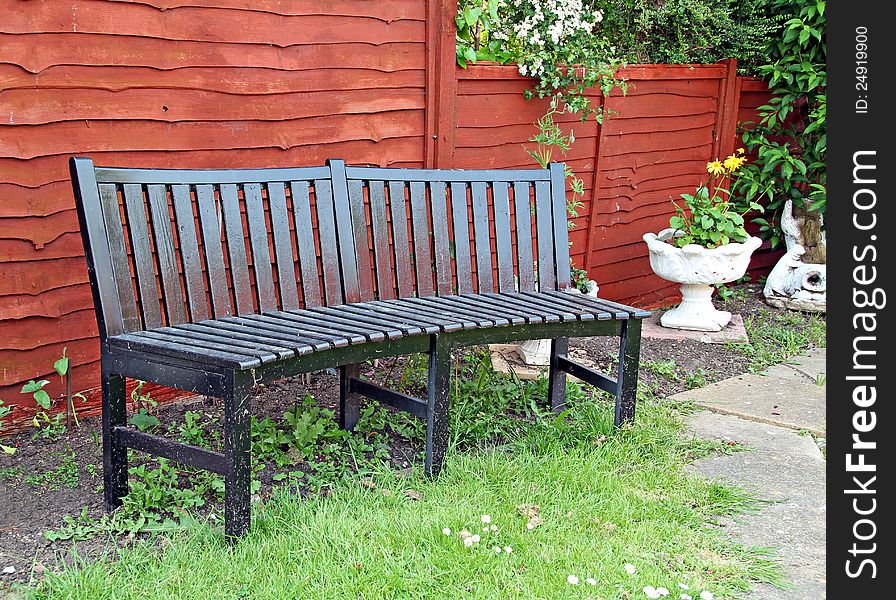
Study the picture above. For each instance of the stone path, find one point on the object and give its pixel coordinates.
(783, 466)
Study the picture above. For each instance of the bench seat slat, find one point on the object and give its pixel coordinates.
(352, 337)
(614, 312)
(431, 314)
(487, 317)
(515, 317)
(567, 312)
(276, 330)
(200, 337)
(507, 302)
(389, 321)
(240, 340)
(572, 306)
(336, 314)
(140, 343)
(300, 345)
(548, 315)
(312, 320)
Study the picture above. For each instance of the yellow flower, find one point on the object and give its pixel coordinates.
(715, 168)
(733, 163)
(740, 150)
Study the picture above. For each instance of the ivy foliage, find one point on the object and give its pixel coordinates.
(790, 139)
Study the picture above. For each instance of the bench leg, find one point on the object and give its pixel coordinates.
(115, 457)
(237, 454)
(437, 405)
(627, 376)
(349, 402)
(556, 376)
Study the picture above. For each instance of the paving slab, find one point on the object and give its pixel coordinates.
(733, 333)
(788, 470)
(782, 397)
(812, 364)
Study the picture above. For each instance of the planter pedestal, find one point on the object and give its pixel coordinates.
(696, 311)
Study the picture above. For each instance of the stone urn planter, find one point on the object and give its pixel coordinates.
(697, 269)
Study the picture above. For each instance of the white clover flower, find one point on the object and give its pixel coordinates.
(530, 525)
(704, 595)
(662, 591)
(475, 538)
(497, 549)
(446, 531)
(493, 527)
(463, 533)
(651, 592)
(630, 568)
(485, 529)
(591, 581)
(685, 597)
(486, 519)
(468, 542)
(572, 580)
(684, 586)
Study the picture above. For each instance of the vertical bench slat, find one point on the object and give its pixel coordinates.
(169, 270)
(544, 226)
(189, 252)
(422, 252)
(301, 213)
(345, 236)
(362, 247)
(503, 244)
(214, 251)
(236, 248)
(440, 240)
(398, 208)
(329, 255)
(118, 253)
(286, 270)
(523, 216)
(144, 265)
(382, 251)
(460, 223)
(561, 225)
(482, 234)
(261, 251)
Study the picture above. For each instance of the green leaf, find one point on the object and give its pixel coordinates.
(8, 449)
(61, 366)
(43, 399)
(470, 54)
(144, 421)
(33, 386)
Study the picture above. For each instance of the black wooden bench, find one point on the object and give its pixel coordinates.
(212, 281)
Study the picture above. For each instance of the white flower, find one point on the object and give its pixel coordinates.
(468, 542)
(662, 591)
(486, 519)
(497, 549)
(493, 527)
(651, 592)
(530, 525)
(630, 568)
(485, 529)
(704, 595)
(446, 531)
(475, 538)
(572, 580)
(591, 581)
(684, 586)
(463, 533)
(686, 597)
(508, 549)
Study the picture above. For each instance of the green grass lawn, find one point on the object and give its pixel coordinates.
(603, 500)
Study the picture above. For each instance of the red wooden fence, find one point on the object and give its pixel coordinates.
(226, 83)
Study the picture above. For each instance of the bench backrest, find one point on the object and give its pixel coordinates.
(168, 246)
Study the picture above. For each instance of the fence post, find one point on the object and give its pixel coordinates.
(726, 115)
(591, 239)
(441, 84)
